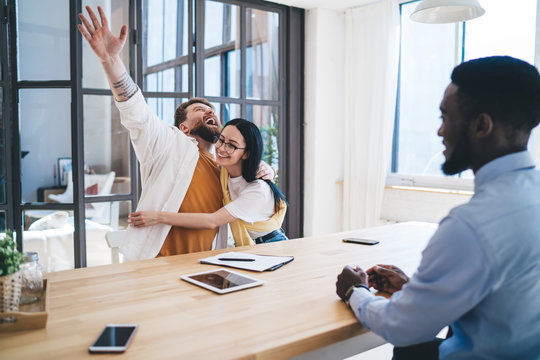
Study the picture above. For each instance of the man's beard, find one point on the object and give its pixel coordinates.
(206, 133)
(460, 159)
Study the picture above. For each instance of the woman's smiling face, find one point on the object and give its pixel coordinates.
(230, 148)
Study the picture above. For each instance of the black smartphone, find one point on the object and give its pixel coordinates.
(356, 240)
(114, 338)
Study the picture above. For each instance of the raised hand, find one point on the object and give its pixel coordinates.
(107, 48)
(99, 36)
(387, 278)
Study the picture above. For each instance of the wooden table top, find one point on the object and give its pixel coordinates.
(294, 312)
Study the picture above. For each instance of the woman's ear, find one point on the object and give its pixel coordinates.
(245, 156)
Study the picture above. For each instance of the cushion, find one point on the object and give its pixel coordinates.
(95, 184)
(91, 190)
(55, 220)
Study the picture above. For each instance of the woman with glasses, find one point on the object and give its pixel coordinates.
(254, 208)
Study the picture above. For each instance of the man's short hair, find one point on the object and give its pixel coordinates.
(180, 113)
(503, 87)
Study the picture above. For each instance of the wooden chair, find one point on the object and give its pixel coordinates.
(114, 239)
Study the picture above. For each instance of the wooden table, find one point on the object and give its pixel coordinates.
(295, 313)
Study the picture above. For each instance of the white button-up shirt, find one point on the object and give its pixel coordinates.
(167, 160)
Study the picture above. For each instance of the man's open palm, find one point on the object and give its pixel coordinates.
(99, 36)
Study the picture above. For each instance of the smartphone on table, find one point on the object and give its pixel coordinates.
(356, 240)
(115, 338)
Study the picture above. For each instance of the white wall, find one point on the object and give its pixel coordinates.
(324, 113)
(414, 205)
(325, 77)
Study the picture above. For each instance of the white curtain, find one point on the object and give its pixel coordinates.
(372, 45)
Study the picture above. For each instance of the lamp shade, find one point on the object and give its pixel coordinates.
(446, 11)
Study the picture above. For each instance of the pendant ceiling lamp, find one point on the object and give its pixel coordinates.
(446, 11)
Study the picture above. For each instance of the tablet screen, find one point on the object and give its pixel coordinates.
(222, 281)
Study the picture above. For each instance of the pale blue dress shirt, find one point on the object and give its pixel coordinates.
(480, 272)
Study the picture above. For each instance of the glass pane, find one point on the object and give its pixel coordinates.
(212, 76)
(118, 15)
(427, 59)
(107, 217)
(166, 39)
(230, 111)
(226, 112)
(267, 119)
(163, 81)
(184, 77)
(170, 80)
(217, 111)
(503, 30)
(2, 150)
(106, 147)
(2, 221)
(164, 108)
(222, 50)
(166, 35)
(262, 54)
(43, 40)
(45, 125)
(50, 234)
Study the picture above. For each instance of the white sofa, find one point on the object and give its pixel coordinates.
(104, 184)
(52, 238)
(98, 185)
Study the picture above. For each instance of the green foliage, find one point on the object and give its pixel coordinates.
(270, 151)
(10, 258)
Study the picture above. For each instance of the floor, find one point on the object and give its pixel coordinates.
(383, 352)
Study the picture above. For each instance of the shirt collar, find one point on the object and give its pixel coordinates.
(506, 163)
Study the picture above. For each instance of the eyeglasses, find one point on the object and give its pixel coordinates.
(229, 148)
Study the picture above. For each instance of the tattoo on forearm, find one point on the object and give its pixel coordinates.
(126, 86)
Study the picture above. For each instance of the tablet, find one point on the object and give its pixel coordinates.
(222, 281)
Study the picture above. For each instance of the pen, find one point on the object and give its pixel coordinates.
(236, 259)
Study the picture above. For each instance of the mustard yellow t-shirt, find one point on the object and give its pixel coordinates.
(204, 195)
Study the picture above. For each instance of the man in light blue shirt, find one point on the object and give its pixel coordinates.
(480, 271)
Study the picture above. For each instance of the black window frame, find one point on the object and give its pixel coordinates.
(291, 83)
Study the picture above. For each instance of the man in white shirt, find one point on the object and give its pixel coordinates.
(480, 270)
(178, 171)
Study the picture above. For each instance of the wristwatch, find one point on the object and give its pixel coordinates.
(350, 290)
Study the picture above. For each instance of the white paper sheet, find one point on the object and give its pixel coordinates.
(259, 263)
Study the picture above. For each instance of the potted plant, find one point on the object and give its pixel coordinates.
(10, 276)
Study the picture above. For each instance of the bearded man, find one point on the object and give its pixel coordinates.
(479, 272)
(178, 169)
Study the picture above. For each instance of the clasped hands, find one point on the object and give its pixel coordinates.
(385, 278)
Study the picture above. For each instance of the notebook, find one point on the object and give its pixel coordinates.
(247, 261)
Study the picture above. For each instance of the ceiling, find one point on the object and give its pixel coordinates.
(327, 4)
